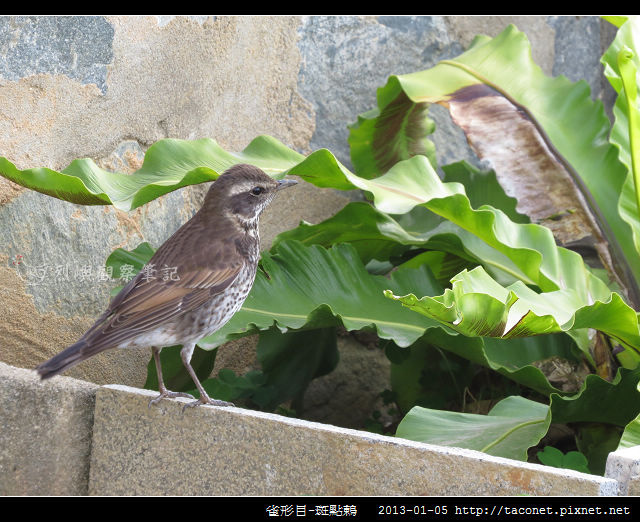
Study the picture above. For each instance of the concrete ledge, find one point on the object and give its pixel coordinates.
(45, 440)
(230, 451)
(623, 465)
(70, 437)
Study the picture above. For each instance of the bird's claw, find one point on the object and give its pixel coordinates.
(206, 400)
(169, 395)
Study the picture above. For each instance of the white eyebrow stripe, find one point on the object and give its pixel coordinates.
(242, 187)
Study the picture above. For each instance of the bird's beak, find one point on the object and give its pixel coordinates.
(284, 183)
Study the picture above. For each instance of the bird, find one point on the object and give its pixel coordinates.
(213, 259)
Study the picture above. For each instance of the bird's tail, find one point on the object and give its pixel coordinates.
(67, 358)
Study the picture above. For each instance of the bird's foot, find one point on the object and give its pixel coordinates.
(166, 394)
(206, 400)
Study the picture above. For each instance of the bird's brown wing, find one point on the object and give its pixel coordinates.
(204, 267)
(150, 300)
(145, 304)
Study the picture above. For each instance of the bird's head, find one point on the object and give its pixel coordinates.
(243, 192)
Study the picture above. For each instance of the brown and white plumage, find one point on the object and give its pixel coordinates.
(215, 256)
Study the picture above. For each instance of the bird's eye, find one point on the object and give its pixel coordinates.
(256, 191)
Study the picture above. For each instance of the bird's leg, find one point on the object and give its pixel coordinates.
(164, 393)
(185, 354)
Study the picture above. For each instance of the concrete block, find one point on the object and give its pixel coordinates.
(45, 440)
(633, 486)
(623, 465)
(209, 450)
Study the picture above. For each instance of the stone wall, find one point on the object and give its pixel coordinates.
(109, 87)
(89, 440)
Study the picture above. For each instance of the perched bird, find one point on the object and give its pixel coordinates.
(213, 259)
